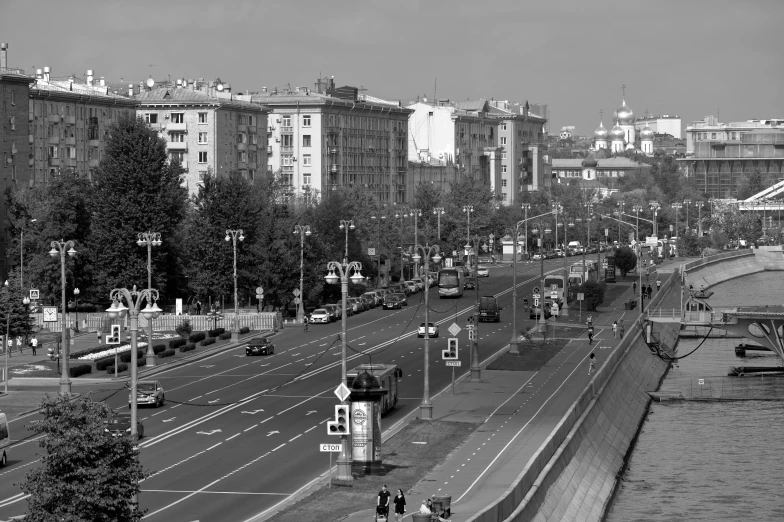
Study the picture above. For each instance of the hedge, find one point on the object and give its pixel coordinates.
(120, 368)
(198, 336)
(82, 353)
(158, 348)
(126, 357)
(188, 347)
(76, 371)
(207, 341)
(216, 332)
(166, 353)
(102, 364)
(176, 343)
(224, 336)
(244, 330)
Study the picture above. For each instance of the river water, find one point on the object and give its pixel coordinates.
(716, 461)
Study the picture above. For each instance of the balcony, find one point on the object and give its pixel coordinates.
(70, 141)
(242, 146)
(287, 130)
(53, 118)
(269, 149)
(54, 162)
(251, 146)
(94, 143)
(30, 139)
(333, 168)
(176, 145)
(93, 163)
(69, 162)
(54, 140)
(287, 150)
(242, 128)
(177, 127)
(69, 120)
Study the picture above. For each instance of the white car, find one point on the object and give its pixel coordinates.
(482, 271)
(432, 330)
(412, 287)
(149, 393)
(319, 315)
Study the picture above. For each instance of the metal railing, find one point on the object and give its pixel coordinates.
(100, 321)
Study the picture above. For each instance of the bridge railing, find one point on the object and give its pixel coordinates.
(100, 321)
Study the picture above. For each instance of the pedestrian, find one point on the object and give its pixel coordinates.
(10, 344)
(34, 344)
(658, 285)
(590, 320)
(400, 505)
(19, 344)
(383, 500)
(591, 363)
(615, 329)
(198, 307)
(634, 287)
(590, 335)
(650, 292)
(621, 328)
(305, 323)
(98, 335)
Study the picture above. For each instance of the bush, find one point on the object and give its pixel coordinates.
(198, 336)
(82, 353)
(188, 347)
(81, 369)
(126, 357)
(166, 353)
(120, 368)
(625, 260)
(158, 348)
(244, 330)
(184, 329)
(176, 343)
(102, 364)
(141, 362)
(224, 336)
(208, 341)
(216, 332)
(593, 294)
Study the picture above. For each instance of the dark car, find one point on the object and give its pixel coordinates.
(536, 311)
(469, 284)
(260, 346)
(489, 309)
(402, 297)
(120, 424)
(392, 302)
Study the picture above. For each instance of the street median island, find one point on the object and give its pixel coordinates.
(408, 456)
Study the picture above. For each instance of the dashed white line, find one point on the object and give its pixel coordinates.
(237, 435)
(295, 438)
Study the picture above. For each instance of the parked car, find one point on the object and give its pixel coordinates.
(260, 346)
(402, 297)
(536, 311)
(412, 287)
(149, 393)
(373, 296)
(368, 301)
(482, 271)
(432, 330)
(320, 315)
(334, 311)
(538, 256)
(559, 252)
(120, 423)
(392, 302)
(354, 305)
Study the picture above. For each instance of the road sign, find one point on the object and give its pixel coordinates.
(342, 392)
(537, 296)
(329, 448)
(580, 296)
(371, 251)
(259, 289)
(471, 334)
(453, 363)
(50, 314)
(454, 329)
(553, 288)
(34, 295)
(536, 290)
(536, 302)
(297, 300)
(470, 327)
(296, 292)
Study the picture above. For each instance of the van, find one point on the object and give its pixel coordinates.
(489, 310)
(5, 439)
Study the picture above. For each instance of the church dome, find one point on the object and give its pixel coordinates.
(617, 133)
(601, 132)
(590, 162)
(646, 133)
(625, 115)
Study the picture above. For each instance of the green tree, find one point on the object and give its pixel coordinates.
(593, 293)
(20, 323)
(135, 189)
(85, 474)
(751, 184)
(625, 260)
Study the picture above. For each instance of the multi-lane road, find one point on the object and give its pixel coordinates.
(238, 435)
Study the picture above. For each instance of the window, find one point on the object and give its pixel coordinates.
(713, 135)
(503, 182)
(252, 174)
(286, 161)
(242, 138)
(503, 155)
(202, 138)
(243, 119)
(243, 156)
(177, 137)
(13, 120)
(306, 179)
(252, 123)
(202, 156)
(287, 121)
(306, 121)
(151, 118)
(254, 139)
(306, 140)
(12, 97)
(307, 160)
(202, 118)
(503, 140)
(504, 195)
(503, 126)
(288, 140)
(178, 117)
(503, 169)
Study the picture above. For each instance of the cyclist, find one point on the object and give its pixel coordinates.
(525, 304)
(305, 323)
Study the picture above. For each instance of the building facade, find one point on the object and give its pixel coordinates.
(720, 156)
(69, 123)
(436, 173)
(591, 169)
(331, 137)
(664, 124)
(205, 131)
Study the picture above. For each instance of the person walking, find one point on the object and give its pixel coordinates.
(590, 335)
(615, 329)
(98, 335)
(198, 307)
(590, 320)
(650, 292)
(34, 344)
(400, 505)
(658, 285)
(19, 344)
(591, 364)
(634, 287)
(383, 500)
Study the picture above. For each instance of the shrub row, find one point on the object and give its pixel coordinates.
(216, 332)
(102, 364)
(158, 348)
(126, 357)
(120, 368)
(166, 353)
(244, 330)
(176, 343)
(188, 347)
(224, 336)
(82, 353)
(196, 337)
(208, 341)
(76, 371)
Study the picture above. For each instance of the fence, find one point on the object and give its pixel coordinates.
(101, 321)
(750, 387)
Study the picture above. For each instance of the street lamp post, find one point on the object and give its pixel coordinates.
(415, 213)
(526, 207)
(621, 204)
(476, 370)
(557, 207)
(401, 214)
(426, 408)
(637, 209)
(76, 308)
(343, 269)
(346, 224)
(687, 202)
(654, 206)
(378, 219)
(677, 207)
(302, 230)
(700, 204)
(233, 236)
(63, 247)
(21, 256)
(439, 211)
(148, 239)
(468, 209)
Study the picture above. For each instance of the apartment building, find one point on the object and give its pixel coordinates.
(459, 133)
(327, 137)
(69, 123)
(663, 124)
(522, 136)
(435, 173)
(206, 128)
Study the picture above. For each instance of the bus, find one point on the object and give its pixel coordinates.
(450, 282)
(578, 277)
(387, 375)
(554, 289)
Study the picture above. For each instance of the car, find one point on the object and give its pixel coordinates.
(320, 315)
(432, 330)
(392, 302)
(354, 305)
(368, 301)
(148, 393)
(489, 309)
(412, 287)
(5, 439)
(420, 284)
(469, 284)
(536, 311)
(259, 346)
(373, 297)
(402, 297)
(482, 271)
(120, 423)
(334, 311)
(559, 252)
(538, 256)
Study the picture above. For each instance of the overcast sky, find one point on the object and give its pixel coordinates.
(686, 57)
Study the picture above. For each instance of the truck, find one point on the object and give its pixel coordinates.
(388, 376)
(578, 275)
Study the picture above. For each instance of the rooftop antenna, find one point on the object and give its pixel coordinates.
(435, 89)
(601, 115)
(623, 87)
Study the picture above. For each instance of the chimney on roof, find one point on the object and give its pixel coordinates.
(47, 72)
(103, 81)
(179, 83)
(90, 77)
(39, 74)
(264, 89)
(226, 87)
(130, 90)
(3, 55)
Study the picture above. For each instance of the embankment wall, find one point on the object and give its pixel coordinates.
(723, 267)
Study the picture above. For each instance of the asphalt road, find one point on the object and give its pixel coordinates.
(239, 434)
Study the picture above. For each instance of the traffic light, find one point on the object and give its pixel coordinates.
(339, 426)
(114, 337)
(450, 354)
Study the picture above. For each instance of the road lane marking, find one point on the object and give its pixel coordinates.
(276, 449)
(248, 429)
(311, 429)
(235, 435)
(182, 461)
(295, 438)
(213, 492)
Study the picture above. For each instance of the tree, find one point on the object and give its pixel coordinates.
(20, 323)
(625, 260)
(135, 189)
(751, 184)
(593, 294)
(85, 474)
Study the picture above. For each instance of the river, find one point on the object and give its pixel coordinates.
(717, 461)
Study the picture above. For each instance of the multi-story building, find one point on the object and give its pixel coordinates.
(524, 142)
(206, 128)
(14, 143)
(435, 173)
(324, 138)
(591, 168)
(664, 124)
(69, 123)
(720, 156)
(461, 133)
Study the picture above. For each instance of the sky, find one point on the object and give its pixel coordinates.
(687, 57)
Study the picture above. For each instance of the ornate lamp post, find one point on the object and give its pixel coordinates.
(400, 214)
(76, 308)
(426, 408)
(468, 209)
(149, 239)
(63, 247)
(343, 269)
(687, 202)
(233, 236)
(346, 224)
(677, 207)
(380, 218)
(439, 211)
(621, 204)
(526, 207)
(302, 230)
(637, 209)
(654, 206)
(700, 204)
(415, 213)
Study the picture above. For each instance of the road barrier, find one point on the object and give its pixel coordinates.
(100, 321)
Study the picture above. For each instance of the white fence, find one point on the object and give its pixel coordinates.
(100, 321)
